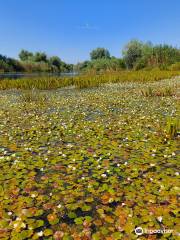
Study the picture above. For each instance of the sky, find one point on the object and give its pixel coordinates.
(70, 29)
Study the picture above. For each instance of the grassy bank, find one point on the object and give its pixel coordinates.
(85, 81)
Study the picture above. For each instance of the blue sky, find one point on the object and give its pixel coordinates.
(72, 28)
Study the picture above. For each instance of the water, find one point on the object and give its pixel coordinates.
(29, 75)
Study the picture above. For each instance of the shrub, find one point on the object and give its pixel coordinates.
(163, 67)
(140, 64)
(175, 67)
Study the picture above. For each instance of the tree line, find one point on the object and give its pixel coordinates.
(34, 62)
(135, 55)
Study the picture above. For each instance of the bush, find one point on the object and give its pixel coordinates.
(175, 67)
(140, 64)
(163, 67)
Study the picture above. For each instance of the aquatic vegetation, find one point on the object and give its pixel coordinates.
(162, 92)
(34, 83)
(147, 92)
(33, 96)
(93, 163)
(88, 80)
(173, 127)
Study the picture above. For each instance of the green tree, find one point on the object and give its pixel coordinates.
(40, 57)
(132, 52)
(99, 53)
(165, 54)
(56, 62)
(25, 55)
(81, 66)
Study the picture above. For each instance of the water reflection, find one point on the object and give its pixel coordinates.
(29, 75)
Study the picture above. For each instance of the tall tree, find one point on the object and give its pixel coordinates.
(25, 55)
(99, 53)
(132, 52)
(55, 61)
(40, 57)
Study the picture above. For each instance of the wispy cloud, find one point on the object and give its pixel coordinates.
(87, 26)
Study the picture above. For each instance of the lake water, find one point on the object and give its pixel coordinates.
(29, 75)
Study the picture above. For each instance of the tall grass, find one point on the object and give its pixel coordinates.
(36, 83)
(173, 127)
(88, 80)
(33, 96)
(161, 92)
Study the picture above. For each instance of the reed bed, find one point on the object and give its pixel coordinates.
(88, 80)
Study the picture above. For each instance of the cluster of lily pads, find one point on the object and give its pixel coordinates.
(88, 164)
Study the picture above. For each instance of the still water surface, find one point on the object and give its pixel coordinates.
(29, 75)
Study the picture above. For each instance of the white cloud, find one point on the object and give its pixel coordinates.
(87, 26)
